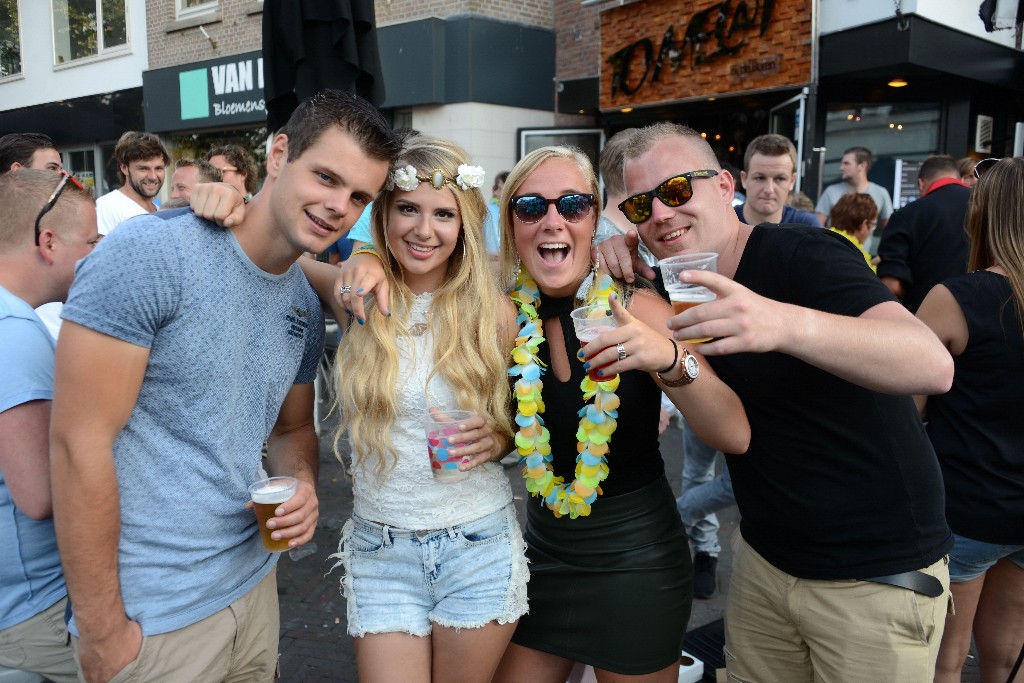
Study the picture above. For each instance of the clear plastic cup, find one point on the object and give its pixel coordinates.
(439, 426)
(685, 296)
(589, 322)
(266, 495)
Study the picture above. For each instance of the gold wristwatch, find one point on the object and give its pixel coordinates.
(690, 367)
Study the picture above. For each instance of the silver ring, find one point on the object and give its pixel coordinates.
(345, 289)
(622, 351)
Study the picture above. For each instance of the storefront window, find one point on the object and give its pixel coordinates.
(892, 131)
(87, 28)
(189, 7)
(10, 39)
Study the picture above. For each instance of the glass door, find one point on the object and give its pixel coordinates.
(787, 119)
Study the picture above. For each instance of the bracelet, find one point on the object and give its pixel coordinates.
(367, 249)
(675, 359)
(686, 377)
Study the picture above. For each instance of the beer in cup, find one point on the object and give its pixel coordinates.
(684, 295)
(589, 322)
(267, 495)
(439, 426)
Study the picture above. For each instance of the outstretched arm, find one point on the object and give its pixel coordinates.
(96, 385)
(711, 407)
(884, 349)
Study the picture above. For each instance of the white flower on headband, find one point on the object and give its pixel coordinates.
(470, 176)
(405, 178)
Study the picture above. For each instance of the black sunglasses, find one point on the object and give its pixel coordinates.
(675, 191)
(65, 179)
(530, 208)
(984, 165)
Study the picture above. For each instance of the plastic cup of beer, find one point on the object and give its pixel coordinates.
(439, 427)
(683, 295)
(266, 495)
(589, 322)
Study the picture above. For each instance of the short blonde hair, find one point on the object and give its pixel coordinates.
(516, 177)
(22, 195)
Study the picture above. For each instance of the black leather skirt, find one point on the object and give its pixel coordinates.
(613, 589)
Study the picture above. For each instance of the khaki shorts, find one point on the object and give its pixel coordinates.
(237, 644)
(779, 628)
(40, 645)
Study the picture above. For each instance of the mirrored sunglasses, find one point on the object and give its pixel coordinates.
(530, 208)
(675, 191)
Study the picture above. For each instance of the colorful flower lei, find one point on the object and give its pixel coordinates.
(597, 420)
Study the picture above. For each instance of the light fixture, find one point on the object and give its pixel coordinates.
(899, 127)
(849, 117)
(897, 83)
(732, 148)
(712, 99)
(704, 135)
(626, 110)
(892, 125)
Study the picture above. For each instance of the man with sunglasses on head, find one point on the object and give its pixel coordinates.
(839, 566)
(47, 224)
(185, 348)
(926, 241)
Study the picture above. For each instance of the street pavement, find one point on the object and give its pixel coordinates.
(315, 647)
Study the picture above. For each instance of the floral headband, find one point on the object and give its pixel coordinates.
(405, 178)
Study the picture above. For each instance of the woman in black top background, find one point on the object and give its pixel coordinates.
(977, 429)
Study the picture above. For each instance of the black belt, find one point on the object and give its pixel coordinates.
(917, 581)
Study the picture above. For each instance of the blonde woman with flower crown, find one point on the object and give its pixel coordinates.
(611, 578)
(435, 574)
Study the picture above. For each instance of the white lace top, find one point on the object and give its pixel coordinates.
(408, 497)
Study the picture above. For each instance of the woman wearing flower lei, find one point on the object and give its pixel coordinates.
(611, 579)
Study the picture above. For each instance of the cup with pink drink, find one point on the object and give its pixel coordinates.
(440, 426)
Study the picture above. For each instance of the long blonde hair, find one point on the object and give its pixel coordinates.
(464, 316)
(995, 223)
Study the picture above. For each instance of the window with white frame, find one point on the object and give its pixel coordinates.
(88, 28)
(187, 8)
(10, 39)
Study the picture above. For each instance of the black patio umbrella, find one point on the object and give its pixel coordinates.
(309, 45)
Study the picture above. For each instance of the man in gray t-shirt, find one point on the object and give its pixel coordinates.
(185, 347)
(854, 168)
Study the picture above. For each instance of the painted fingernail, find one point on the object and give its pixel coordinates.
(579, 354)
(348, 312)
(359, 291)
(389, 312)
(361, 321)
(615, 296)
(586, 366)
(608, 312)
(600, 373)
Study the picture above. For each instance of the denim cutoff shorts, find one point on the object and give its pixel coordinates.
(403, 581)
(969, 559)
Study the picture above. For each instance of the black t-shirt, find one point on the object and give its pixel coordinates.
(840, 482)
(977, 427)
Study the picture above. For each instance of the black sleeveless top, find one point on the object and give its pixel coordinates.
(976, 427)
(634, 459)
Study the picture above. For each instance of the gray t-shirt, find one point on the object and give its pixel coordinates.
(227, 342)
(832, 193)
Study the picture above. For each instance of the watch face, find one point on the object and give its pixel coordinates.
(692, 367)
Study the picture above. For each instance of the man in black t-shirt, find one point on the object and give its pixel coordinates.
(839, 568)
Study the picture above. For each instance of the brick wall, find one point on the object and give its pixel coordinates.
(578, 32)
(236, 27)
(781, 57)
(529, 12)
